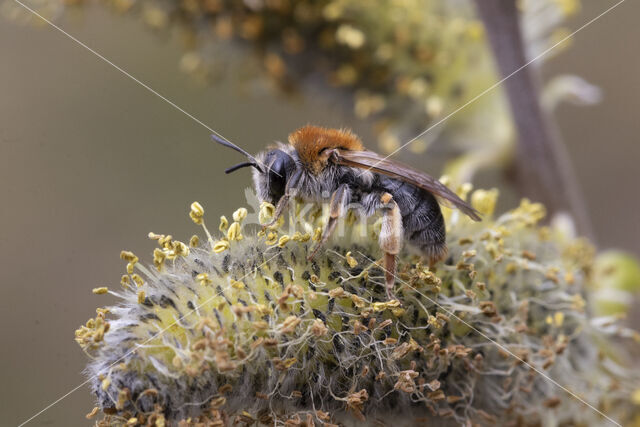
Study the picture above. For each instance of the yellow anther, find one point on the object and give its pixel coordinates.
(139, 281)
(196, 213)
(154, 236)
(236, 284)
(357, 301)
(224, 223)
(381, 306)
(261, 325)
(272, 238)
(203, 279)
(235, 232)
(289, 325)
(318, 328)
(317, 234)
(130, 267)
(181, 249)
(351, 260)
(336, 292)
(240, 214)
(262, 309)
(100, 291)
(398, 311)
(132, 421)
(484, 201)
(267, 210)
(194, 241)
(283, 240)
(469, 254)
(165, 241)
(445, 180)
(105, 384)
(124, 280)
(220, 246)
(128, 256)
(158, 258)
(197, 209)
(299, 237)
(141, 297)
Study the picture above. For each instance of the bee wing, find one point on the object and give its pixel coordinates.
(375, 162)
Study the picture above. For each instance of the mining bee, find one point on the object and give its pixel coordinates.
(331, 165)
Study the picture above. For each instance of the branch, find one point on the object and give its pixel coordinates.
(543, 170)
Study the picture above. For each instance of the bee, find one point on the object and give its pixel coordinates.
(323, 165)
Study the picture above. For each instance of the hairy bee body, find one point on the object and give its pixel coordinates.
(331, 165)
(422, 224)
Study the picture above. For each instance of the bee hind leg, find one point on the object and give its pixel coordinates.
(390, 239)
(337, 208)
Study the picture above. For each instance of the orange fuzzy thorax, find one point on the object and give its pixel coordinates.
(309, 141)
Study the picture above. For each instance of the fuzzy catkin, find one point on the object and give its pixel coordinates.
(252, 330)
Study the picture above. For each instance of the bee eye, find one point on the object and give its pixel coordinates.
(279, 168)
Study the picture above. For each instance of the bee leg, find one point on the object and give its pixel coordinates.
(390, 239)
(337, 208)
(280, 207)
(290, 190)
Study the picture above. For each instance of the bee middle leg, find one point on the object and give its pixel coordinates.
(337, 208)
(390, 239)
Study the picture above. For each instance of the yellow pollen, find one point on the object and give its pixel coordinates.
(220, 246)
(224, 223)
(240, 214)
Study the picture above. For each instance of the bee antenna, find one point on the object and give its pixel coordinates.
(223, 141)
(242, 165)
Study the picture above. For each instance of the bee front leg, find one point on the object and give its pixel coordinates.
(290, 190)
(390, 239)
(337, 208)
(280, 207)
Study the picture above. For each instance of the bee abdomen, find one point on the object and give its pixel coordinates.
(422, 220)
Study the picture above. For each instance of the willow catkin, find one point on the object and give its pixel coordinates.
(242, 328)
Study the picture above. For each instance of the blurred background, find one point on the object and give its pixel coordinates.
(90, 162)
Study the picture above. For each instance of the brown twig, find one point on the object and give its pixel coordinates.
(543, 170)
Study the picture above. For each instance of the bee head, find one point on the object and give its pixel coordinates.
(271, 182)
